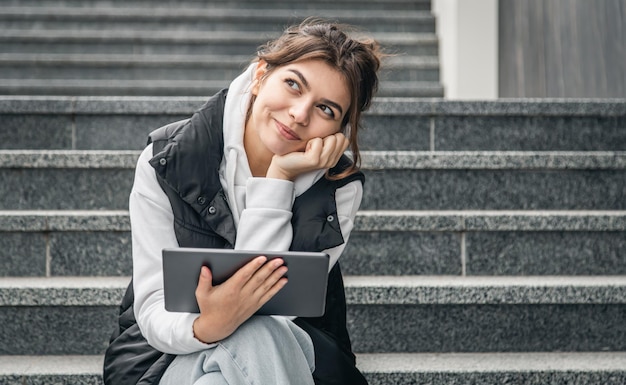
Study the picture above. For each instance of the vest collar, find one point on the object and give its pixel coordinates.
(188, 160)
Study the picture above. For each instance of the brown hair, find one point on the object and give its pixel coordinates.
(357, 59)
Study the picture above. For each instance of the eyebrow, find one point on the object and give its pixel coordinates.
(306, 85)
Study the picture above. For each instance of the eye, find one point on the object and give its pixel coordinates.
(292, 84)
(327, 110)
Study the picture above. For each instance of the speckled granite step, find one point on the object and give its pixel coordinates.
(385, 314)
(86, 180)
(205, 19)
(156, 87)
(605, 368)
(177, 42)
(97, 243)
(122, 123)
(422, 5)
(176, 67)
(146, 32)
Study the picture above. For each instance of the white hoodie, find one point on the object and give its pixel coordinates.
(261, 208)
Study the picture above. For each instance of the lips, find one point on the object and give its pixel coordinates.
(286, 132)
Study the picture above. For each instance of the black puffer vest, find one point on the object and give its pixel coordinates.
(187, 157)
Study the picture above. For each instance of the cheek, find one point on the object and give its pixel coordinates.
(325, 128)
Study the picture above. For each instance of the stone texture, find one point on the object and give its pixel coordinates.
(360, 290)
(468, 290)
(65, 292)
(366, 221)
(39, 221)
(529, 125)
(259, 20)
(61, 159)
(380, 369)
(75, 316)
(137, 105)
(22, 254)
(555, 362)
(89, 221)
(56, 329)
(119, 132)
(401, 5)
(544, 221)
(400, 132)
(493, 160)
(532, 107)
(494, 190)
(49, 379)
(546, 253)
(408, 221)
(529, 133)
(90, 254)
(386, 189)
(498, 377)
(65, 189)
(37, 105)
(487, 328)
(395, 180)
(30, 131)
(402, 253)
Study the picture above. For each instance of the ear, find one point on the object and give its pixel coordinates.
(259, 72)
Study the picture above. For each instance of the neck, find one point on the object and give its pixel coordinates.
(259, 158)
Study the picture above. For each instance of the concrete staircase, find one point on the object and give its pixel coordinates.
(167, 48)
(490, 247)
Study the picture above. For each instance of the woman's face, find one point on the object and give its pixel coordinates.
(295, 103)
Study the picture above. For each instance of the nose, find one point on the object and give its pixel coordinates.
(299, 112)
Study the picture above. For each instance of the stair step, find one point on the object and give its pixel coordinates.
(173, 87)
(494, 368)
(592, 368)
(123, 123)
(96, 243)
(371, 160)
(360, 290)
(422, 5)
(205, 19)
(395, 180)
(177, 42)
(385, 314)
(88, 67)
(454, 290)
(448, 220)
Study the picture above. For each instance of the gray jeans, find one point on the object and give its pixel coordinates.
(264, 350)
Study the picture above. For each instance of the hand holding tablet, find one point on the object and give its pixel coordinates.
(303, 295)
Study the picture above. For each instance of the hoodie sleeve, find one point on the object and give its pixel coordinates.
(151, 220)
(265, 223)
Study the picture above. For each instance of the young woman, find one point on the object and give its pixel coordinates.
(259, 167)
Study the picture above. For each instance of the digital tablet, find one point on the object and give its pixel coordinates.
(304, 295)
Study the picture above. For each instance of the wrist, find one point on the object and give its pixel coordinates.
(277, 173)
(199, 331)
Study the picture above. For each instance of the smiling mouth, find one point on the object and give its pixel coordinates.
(286, 132)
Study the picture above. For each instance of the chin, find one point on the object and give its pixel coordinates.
(281, 149)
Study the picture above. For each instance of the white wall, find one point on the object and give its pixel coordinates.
(468, 47)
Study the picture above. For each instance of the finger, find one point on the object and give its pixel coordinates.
(328, 151)
(205, 283)
(271, 280)
(262, 275)
(271, 292)
(244, 274)
(340, 144)
(345, 143)
(314, 148)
